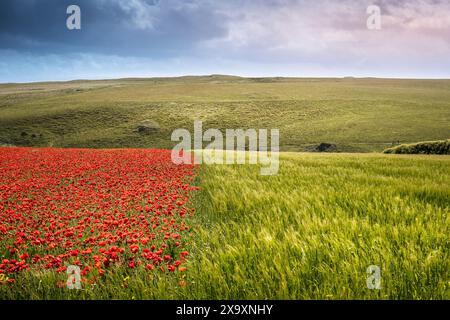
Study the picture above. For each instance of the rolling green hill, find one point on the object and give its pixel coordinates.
(358, 115)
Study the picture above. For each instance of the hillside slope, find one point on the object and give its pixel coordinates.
(358, 115)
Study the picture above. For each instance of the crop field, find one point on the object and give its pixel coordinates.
(98, 210)
(311, 231)
(141, 227)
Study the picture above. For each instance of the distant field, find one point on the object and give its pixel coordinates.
(358, 115)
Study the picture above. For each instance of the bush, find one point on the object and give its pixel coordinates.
(428, 147)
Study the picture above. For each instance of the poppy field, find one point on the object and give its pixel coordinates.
(98, 210)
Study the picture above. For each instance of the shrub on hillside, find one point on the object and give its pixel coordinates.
(428, 147)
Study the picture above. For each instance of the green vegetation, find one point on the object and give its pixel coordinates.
(308, 233)
(358, 115)
(311, 231)
(428, 147)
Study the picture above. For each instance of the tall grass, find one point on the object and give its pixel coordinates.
(311, 231)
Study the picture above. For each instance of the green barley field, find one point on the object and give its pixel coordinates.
(309, 232)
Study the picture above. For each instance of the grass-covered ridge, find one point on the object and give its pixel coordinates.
(427, 147)
(355, 114)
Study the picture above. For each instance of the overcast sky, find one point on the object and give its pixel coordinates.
(144, 38)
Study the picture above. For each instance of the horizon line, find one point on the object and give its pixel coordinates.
(219, 75)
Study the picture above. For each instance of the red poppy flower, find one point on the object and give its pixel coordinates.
(134, 248)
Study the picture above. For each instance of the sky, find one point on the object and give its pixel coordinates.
(148, 38)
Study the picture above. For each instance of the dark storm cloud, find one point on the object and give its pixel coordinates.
(123, 27)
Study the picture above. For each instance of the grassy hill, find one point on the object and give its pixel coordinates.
(358, 115)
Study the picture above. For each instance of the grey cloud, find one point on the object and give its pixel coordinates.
(136, 27)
